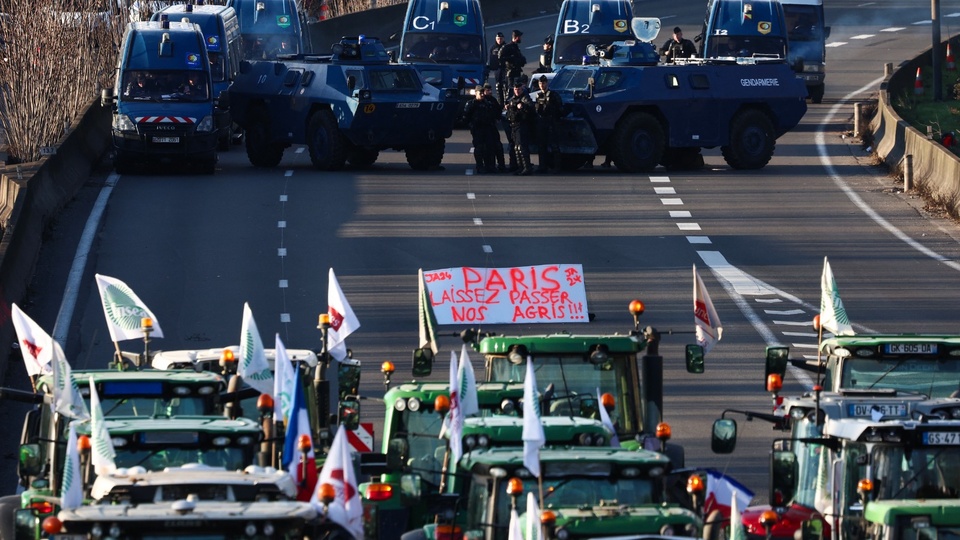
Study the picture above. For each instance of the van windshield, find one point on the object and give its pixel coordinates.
(443, 48)
(174, 85)
(803, 22)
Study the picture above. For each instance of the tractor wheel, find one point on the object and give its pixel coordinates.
(327, 147)
(752, 140)
(261, 151)
(363, 157)
(639, 141)
(426, 157)
(716, 526)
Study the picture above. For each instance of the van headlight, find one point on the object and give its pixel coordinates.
(205, 125)
(122, 122)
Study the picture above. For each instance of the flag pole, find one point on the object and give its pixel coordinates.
(116, 347)
(539, 482)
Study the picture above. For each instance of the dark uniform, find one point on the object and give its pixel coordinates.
(520, 115)
(481, 115)
(493, 65)
(549, 111)
(546, 57)
(493, 132)
(677, 47)
(512, 61)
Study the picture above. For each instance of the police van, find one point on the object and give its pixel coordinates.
(743, 29)
(445, 40)
(268, 28)
(806, 40)
(589, 22)
(221, 31)
(163, 103)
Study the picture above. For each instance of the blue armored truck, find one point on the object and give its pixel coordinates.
(445, 40)
(589, 22)
(643, 115)
(737, 28)
(268, 28)
(346, 107)
(163, 103)
(221, 32)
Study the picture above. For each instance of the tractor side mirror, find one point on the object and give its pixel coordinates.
(694, 356)
(422, 362)
(776, 363)
(723, 438)
(349, 414)
(783, 477)
(29, 463)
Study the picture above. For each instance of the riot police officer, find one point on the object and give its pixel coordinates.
(549, 110)
(521, 113)
(481, 114)
(512, 59)
(493, 132)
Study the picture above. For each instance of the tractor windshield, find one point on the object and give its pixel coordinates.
(920, 473)
(933, 377)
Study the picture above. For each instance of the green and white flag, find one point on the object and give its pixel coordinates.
(284, 381)
(533, 436)
(534, 531)
(469, 401)
(252, 365)
(737, 530)
(103, 454)
(71, 492)
(833, 316)
(66, 396)
(124, 310)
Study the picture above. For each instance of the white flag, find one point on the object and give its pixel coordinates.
(346, 509)
(36, 346)
(514, 532)
(469, 402)
(534, 531)
(605, 420)
(453, 422)
(533, 436)
(71, 492)
(252, 365)
(343, 322)
(103, 454)
(66, 396)
(124, 310)
(833, 316)
(705, 316)
(284, 379)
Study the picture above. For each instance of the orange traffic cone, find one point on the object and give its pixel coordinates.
(951, 66)
(918, 84)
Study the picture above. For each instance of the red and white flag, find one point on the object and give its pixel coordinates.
(346, 509)
(299, 459)
(721, 491)
(343, 321)
(705, 316)
(36, 346)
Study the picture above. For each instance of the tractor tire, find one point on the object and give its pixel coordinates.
(716, 526)
(362, 158)
(752, 140)
(261, 151)
(640, 141)
(328, 149)
(426, 157)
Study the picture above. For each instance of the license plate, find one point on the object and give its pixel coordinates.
(866, 410)
(408, 105)
(942, 438)
(166, 139)
(910, 348)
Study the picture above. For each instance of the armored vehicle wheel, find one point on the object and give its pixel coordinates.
(716, 526)
(426, 157)
(683, 159)
(816, 93)
(363, 157)
(328, 150)
(572, 162)
(260, 150)
(639, 142)
(8, 505)
(751, 140)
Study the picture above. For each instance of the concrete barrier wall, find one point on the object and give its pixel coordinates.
(31, 197)
(936, 170)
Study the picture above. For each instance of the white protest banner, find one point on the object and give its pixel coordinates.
(547, 293)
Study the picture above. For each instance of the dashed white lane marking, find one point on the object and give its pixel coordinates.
(794, 323)
(660, 179)
(699, 240)
(284, 283)
(893, 29)
(281, 224)
(863, 36)
(281, 252)
(680, 213)
(671, 202)
(835, 44)
(812, 335)
(487, 248)
(284, 317)
(283, 198)
(768, 301)
(923, 22)
(471, 196)
(288, 173)
(784, 311)
(664, 191)
(477, 221)
(688, 226)
(299, 150)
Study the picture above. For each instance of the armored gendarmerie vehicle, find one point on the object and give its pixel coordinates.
(644, 114)
(346, 107)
